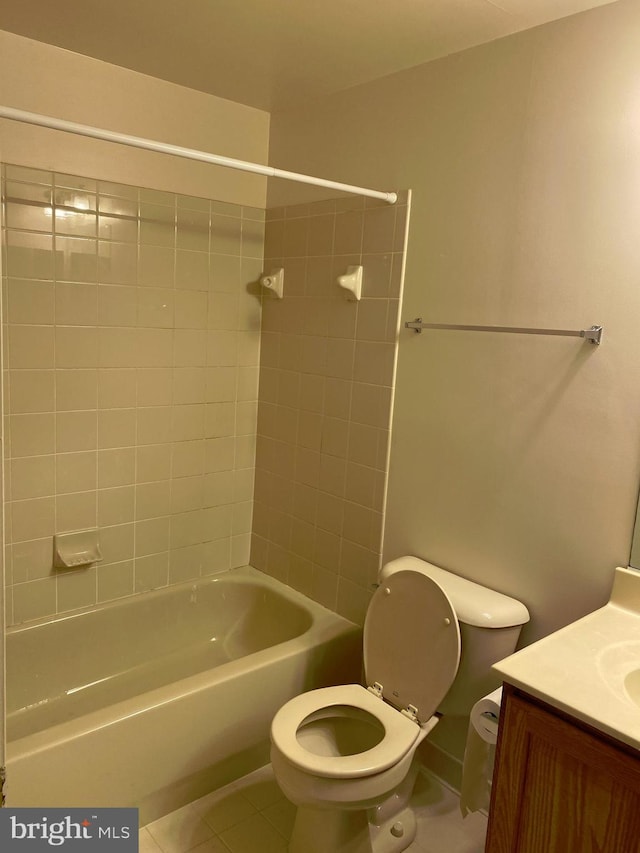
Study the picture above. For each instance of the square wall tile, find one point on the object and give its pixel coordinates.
(30, 255)
(31, 347)
(157, 224)
(76, 472)
(32, 477)
(32, 519)
(76, 259)
(131, 383)
(330, 363)
(76, 347)
(31, 302)
(116, 467)
(32, 434)
(34, 600)
(75, 389)
(32, 391)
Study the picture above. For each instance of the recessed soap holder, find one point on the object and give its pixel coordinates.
(351, 283)
(76, 549)
(274, 282)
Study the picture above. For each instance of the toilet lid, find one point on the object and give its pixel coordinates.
(411, 642)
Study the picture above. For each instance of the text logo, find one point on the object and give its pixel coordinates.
(69, 830)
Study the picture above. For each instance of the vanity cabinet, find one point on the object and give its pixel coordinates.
(560, 786)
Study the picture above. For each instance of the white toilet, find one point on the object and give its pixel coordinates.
(345, 755)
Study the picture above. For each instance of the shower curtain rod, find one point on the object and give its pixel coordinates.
(188, 153)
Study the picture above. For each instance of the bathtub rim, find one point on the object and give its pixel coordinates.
(325, 626)
(239, 574)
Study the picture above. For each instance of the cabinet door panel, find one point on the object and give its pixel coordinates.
(560, 789)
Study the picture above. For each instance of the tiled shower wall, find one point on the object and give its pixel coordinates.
(132, 337)
(326, 380)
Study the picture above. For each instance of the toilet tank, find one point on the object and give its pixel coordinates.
(490, 624)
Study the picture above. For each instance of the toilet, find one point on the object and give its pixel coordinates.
(346, 755)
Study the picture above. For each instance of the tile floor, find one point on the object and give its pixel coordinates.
(252, 816)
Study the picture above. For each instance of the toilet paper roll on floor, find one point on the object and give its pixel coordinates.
(479, 754)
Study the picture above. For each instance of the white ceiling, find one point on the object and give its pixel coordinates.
(271, 54)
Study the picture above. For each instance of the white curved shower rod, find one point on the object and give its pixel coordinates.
(188, 153)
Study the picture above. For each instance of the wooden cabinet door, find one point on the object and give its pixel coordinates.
(559, 788)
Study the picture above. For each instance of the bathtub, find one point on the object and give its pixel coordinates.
(158, 699)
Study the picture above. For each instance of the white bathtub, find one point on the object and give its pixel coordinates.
(156, 700)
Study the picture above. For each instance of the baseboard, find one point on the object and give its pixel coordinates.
(441, 764)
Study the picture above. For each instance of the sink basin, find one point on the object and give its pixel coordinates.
(590, 669)
(632, 686)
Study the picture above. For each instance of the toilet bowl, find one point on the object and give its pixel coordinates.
(327, 736)
(346, 755)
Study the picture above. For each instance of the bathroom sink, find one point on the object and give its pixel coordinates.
(591, 668)
(632, 686)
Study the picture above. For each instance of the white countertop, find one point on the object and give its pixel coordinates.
(581, 668)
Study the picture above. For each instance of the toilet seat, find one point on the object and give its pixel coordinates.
(411, 655)
(400, 732)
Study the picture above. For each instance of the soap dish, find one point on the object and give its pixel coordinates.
(76, 549)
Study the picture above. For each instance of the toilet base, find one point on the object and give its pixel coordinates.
(321, 830)
(389, 827)
(395, 834)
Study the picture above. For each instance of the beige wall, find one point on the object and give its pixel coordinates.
(514, 459)
(45, 79)
(132, 340)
